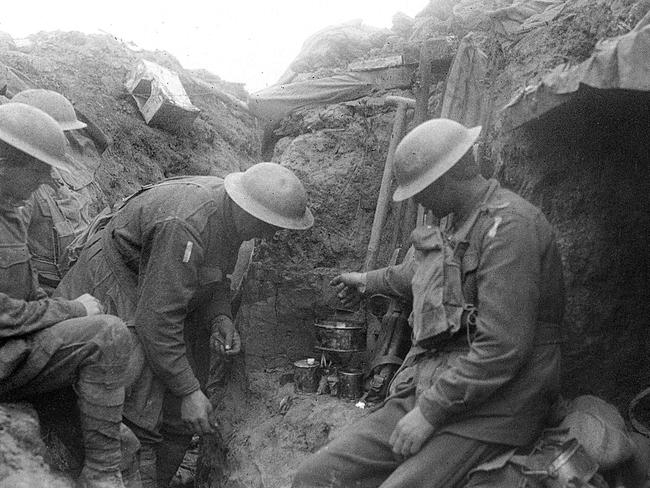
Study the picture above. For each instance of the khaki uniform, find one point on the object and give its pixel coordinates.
(161, 265)
(47, 344)
(492, 382)
(56, 217)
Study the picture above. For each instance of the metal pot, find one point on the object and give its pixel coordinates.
(305, 376)
(572, 463)
(572, 467)
(340, 335)
(350, 383)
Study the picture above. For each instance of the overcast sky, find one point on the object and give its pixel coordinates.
(249, 41)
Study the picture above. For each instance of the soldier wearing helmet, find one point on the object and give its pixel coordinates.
(488, 301)
(48, 344)
(59, 212)
(161, 265)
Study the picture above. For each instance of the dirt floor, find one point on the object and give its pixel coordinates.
(280, 429)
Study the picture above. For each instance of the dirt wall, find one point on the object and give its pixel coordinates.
(339, 153)
(586, 166)
(91, 69)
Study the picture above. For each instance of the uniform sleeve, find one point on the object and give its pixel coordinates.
(218, 302)
(508, 295)
(168, 279)
(392, 280)
(21, 317)
(37, 292)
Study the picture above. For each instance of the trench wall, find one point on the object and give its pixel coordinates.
(586, 166)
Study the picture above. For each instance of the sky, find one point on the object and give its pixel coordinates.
(246, 41)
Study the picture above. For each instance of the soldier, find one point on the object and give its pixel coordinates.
(488, 301)
(59, 213)
(47, 344)
(161, 264)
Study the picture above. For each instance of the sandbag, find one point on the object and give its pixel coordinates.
(599, 427)
(336, 46)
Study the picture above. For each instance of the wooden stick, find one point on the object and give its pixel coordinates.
(382, 201)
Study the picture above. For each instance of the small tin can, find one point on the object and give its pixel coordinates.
(350, 384)
(305, 376)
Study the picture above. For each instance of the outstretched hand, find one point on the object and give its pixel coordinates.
(349, 288)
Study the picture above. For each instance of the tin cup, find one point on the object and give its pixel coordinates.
(305, 376)
(350, 383)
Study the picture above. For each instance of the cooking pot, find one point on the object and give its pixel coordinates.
(340, 335)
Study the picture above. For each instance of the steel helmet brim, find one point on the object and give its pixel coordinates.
(404, 192)
(33, 151)
(74, 125)
(233, 184)
(52, 103)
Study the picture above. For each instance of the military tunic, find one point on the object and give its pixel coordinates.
(488, 387)
(56, 217)
(162, 259)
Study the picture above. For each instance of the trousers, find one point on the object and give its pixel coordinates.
(90, 354)
(150, 411)
(362, 457)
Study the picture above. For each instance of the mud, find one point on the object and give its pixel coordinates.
(22, 451)
(280, 430)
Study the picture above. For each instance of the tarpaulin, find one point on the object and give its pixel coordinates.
(276, 102)
(621, 62)
(464, 100)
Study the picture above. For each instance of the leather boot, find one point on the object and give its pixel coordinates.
(148, 465)
(171, 452)
(89, 478)
(130, 466)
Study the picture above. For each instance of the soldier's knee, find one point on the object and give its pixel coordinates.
(113, 337)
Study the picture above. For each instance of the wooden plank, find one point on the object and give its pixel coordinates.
(377, 63)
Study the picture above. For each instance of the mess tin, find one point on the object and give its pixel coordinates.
(340, 335)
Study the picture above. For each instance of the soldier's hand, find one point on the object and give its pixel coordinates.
(349, 288)
(224, 337)
(410, 433)
(195, 412)
(91, 304)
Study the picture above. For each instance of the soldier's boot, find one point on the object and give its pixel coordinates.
(170, 456)
(96, 479)
(148, 464)
(101, 415)
(130, 467)
(100, 392)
